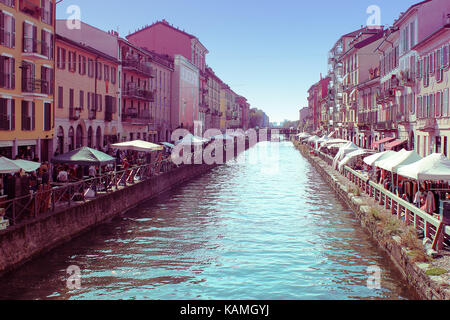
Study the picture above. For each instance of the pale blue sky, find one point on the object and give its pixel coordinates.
(271, 52)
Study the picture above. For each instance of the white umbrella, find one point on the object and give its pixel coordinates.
(28, 166)
(137, 145)
(343, 151)
(349, 157)
(434, 167)
(371, 160)
(400, 159)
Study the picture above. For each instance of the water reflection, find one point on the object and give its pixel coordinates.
(246, 230)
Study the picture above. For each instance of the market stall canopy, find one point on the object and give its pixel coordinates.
(371, 160)
(313, 138)
(333, 141)
(13, 166)
(343, 151)
(28, 166)
(400, 159)
(385, 140)
(394, 144)
(323, 139)
(434, 167)
(224, 137)
(137, 145)
(352, 155)
(303, 135)
(191, 139)
(168, 145)
(84, 157)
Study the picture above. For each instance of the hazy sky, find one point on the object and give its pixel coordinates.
(271, 52)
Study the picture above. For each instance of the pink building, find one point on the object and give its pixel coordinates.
(163, 38)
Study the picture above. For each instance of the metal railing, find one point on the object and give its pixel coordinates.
(404, 210)
(433, 228)
(62, 196)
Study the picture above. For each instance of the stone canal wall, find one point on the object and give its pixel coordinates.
(19, 244)
(415, 273)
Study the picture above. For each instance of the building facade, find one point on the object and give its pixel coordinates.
(86, 97)
(27, 31)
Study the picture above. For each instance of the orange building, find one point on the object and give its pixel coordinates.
(86, 97)
(27, 78)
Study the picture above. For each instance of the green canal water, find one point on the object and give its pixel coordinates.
(264, 226)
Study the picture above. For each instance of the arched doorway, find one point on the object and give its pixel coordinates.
(90, 137)
(98, 138)
(71, 139)
(60, 141)
(79, 136)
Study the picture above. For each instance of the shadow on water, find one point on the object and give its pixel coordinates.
(250, 230)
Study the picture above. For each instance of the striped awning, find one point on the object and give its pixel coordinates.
(385, 140)
(394, 144)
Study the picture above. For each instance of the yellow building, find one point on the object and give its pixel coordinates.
(27, 78)
(86, 105)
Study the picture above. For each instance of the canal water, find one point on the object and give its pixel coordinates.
(264, 226)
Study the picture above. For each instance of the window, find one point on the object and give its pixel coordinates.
(9, 3)
(7, 30)
(438, 104)
(47, 44)
(30, 41)
(7, 72)
(99, 102)
(72, 61)
(60, 97)
(445, 56)
(7, 114)
(98, 71)
(61, 58)
(71, 99)
(47, 116)
(28, 115)
(106, 72)
(419, 107)
(113, 75)
(91, 68)
(431, 106)
(46, 80)
(81, 99)
(445, 103)
(47, 12)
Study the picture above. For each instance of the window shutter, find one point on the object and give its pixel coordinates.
(33, 116)
(445, 103)
(44, 52)
(52, 48)
(2, 28)
(35, 39)
(13, 73)
(23, 37)
(13, 114)
(2, 72)
(13, 32)
(24, 113)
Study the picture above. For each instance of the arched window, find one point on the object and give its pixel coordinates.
(79, 140)
(71, 139)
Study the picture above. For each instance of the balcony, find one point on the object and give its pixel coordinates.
(402, 119)
(426, 125)
(92, 114)
(133, 64)
(132, 91)
(31, 46)
(385, 126)
(35, 86)
(31, 7)
(9, 3)
(132, 116)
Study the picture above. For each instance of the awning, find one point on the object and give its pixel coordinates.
(377, 143)
(138, 145)
(13, 166)
(394, 144)
(84, 157)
